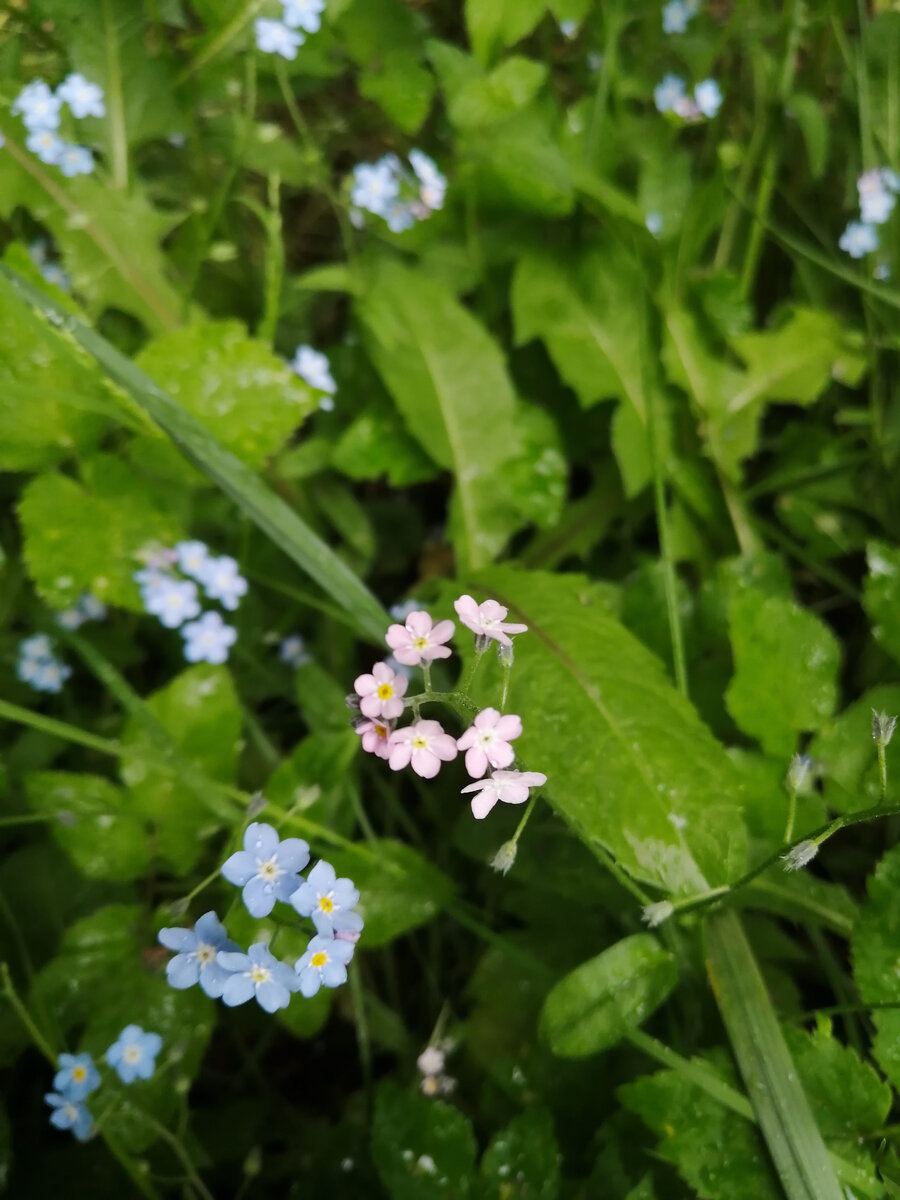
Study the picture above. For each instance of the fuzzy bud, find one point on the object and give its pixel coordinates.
(882, 727)
(798, 772)
(653, 915)
(800, 856)
(482, 641)
(505, 857)
(505, 655)
(352, 702)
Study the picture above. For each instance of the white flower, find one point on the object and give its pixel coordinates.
(508, 787)
(655, 914)
(274, 37)
(314, 368)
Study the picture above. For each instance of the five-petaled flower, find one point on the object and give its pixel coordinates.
(304, 13)
(258, 973)
(267, 869)
(376, 737)
(425, 745)
(133, 1053)
(84, 98)
(274, 37)
(208, 640)
(509, 787)
(325, 898)
(381, 692)
(487, 619)
(69, 1114)
(486, 741)
(195, 957)
(192, 558)
(174, 601)
(223, 582)
(419, 640)
(37, 106)
(77, 1076)
(323, 964)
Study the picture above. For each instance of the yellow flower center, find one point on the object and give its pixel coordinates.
(326, 904)
(79, 1074)
(260, 974)
(418, 743)
(381, 731)
(132, 1054)
(420, 643)
(319, 959)
(206, 954)
(385, 692)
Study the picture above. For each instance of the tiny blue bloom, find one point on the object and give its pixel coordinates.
(433, 183)
(257, 973)
(84, 98)
(174, 601)
(313, 367)
(69, 1114)
(292, 651)
(708, 96)
(37, 666)
(399, 217)
(323, 964)
(195, 958)
(325, 898)
(375, 186)
(133, 1053)
(267, 869)
(402, 610)
(675, 16)
(86, 608)
(303, 14)
(77, 1076)
(569, 29)
(208, 640)
(75, 160)
(667, 93)
(192, 558)
(654, 222)
(54, 273)
(36, 647)
(274, 37)
(37, 106)
(859, 239)
(223, 582)
(46, 144)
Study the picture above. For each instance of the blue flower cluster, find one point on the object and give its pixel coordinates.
(313, 367)
(175, 599)
(671, 96)
(268, 869)
(86, 608)
(40, 110)
(284, 37)
(677, 14)
(38, 666)
(878, 190)
(132, 1056)
(387, 189)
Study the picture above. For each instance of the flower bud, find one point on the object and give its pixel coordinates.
(798, 772)
(800, 856)
(653, 915)
(505, 857)
(257, 803)
(882, 727)
(352, 702)
(505, 655)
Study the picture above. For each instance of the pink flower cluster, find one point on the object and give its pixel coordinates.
(425, 745)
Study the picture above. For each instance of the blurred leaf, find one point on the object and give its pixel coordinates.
(875, 953)
(796, 362)
(401, 86)
(538, 480)
(376, 444)
(881, 595)
(522, 1160)
(845, 752)
(494, 24)
(423, 1149)
(520, 165)
(494, 97)
(604, 999)
(813, 124)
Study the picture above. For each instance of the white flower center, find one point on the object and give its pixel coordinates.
(260, 974)
(487, 737)
(205, 954)
(132, 1053)
(268, 869)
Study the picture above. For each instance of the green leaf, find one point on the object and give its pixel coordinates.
(847, 1097)
(813, 124)
(786, 666)
(263, 507)
(604, 999)
(519, 164)
(875, 952)
(423, 1149)
(86, 540)
(796, 362)
(401, 86)
(199, 709)
(491, 98)
(629, 763)
(495, 24)
(249, 399)
(522, 1160)
(376, 444)
(93, 822)
(881, 595)
(845, 750)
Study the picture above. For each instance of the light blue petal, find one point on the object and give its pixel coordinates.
(304, 899)
(350, 921)
(340, 951)
(60, 1118)
(259, 897)
(83, 1125)
(345, 894)
(322, 876)
(182, 971)
(285, 976)
(260, 840)
(151, 1044)
(260, 954)
(323, 923)
(272, 996)
(292, 854)
(230, 960)
(285, 887)
(180, 940)
(334, 974)
(310, 982)
(238, 990)
(210, 929)
(239, 868)
(213, 979)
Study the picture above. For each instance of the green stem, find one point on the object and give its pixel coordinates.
(274, 264)
(218, 43)
(696, 1073)
(9, 991)
(792, 814)
(60, 729)
(882, 769)
(27, 819)
(177, 1149)
(116, 103)
(468, 676)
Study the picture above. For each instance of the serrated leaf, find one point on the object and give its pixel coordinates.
(423, 1149)
(604, 999)
(875, 952)
(847, 1097)
(524, 1157)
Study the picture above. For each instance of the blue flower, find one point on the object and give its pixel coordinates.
(195, 958)
(375, 186)
(75, 160)
(174, 601)
(314, 368)
(708, 95)
(86, 608)
(84, 98)
(37, 647)
(323, 965)
(675, 16)
(292, 651)
(223, 582)
(305, 14)
(133, 1053)
(46, 144)
(37, 666)
(654, 222)
(274, 37)
(859, 239)
(668, 93)
(876, 195)
(77, 1076)
(69, 1114)
(267, 869)
(38, 107)
(257, 973)
(192, 558)
(208, 640)
(402, 610)
(325, 898)
(433, 183)
(569, 29)
(53, 273)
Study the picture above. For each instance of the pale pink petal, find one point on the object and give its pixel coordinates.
(492, 611)
(397, 637)
(383, 673)
(442, 632)
(408, 655)
(476, 762)
(467, 610)
(500, 755)
(428, 729)
(532, 778)
(514, 793)
(419, 624)
(509, 727)
(487, 718)
(402, 735)
(482, 804)
(399, 755)
(444, 747)
(514, 627)
(467, 739)
(391, 709)
(371, 706)
(365, 684)
(434, 652)
(477, 787)
(496, 632)
(400, 683)
(425, 763)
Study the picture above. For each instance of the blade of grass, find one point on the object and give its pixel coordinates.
(250, 493)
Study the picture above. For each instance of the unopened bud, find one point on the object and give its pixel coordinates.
(482, 641)
(654, 915)
(257, 803)
(505, 655)
(882, 727)
(800, 856)
(505, 857)
(352, 702)
(801, 765)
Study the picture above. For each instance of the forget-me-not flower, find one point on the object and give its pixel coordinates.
(569, 29)
(84, 98)
(37, 666)
(208, 640)
(192, 558)
(313, 367)
(69, 1114)
(223, 582)
(75, 160)
(267, 868)
(86, 608)
(174, 601)
(859, 239)
(675, 16)
(77, 1076)
(46, 144)
(259, 974)
(36, 647)
(667, 93)
(133, 1053)
(877, 195)
(708, 96)
(37, 106)
(323, 965)
(292, 651)
(195, 958)
(433, 183)
(375, 186)
(274, 37)
(303, 14)
(325, 898)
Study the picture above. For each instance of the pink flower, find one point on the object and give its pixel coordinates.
(419, 640)
(510, 787)
(381, 692)
(487, 741)
(375, 737)
(425, 745)
(487, 619)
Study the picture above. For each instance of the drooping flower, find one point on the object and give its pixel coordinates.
(173, 601)
(381, 692)
(208, 640)
(487, 619)
(323, 965)
(133, 1054)
(77, 1076)
(801, 855)
(292, 651)
(424, 745)
(859, 239)
(69, 1114)
(37, 106)
(274, 37)
(325, 898)
(84, 98)
(508, 787)
(375, 186)
(195, 957)
(193, 558)
(259, 974)
(419, 640)
(487, 739)
(667, 93)
(313, 367)
(376, 737)
(223, 582)
(46, 144)
(304, 14)
(75, 160)
(267, 869)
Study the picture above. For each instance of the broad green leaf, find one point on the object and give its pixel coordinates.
(523, 1157)
(845, 750)
(200, 710)
(786, 666)
(249, 399)
(847, 1097)
(629, 764)
(665, 189)
(399, 83)
(423, 1149)
(263, 507)
(607, 997)
(449, 381)
(494, 97)
(494, 24)
(537, 481)
(93, 822)
(875, 950)
(86, 540)
(376, 444)
(519, 165)
(881, 595)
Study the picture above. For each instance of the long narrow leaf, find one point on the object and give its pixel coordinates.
(259, 502)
